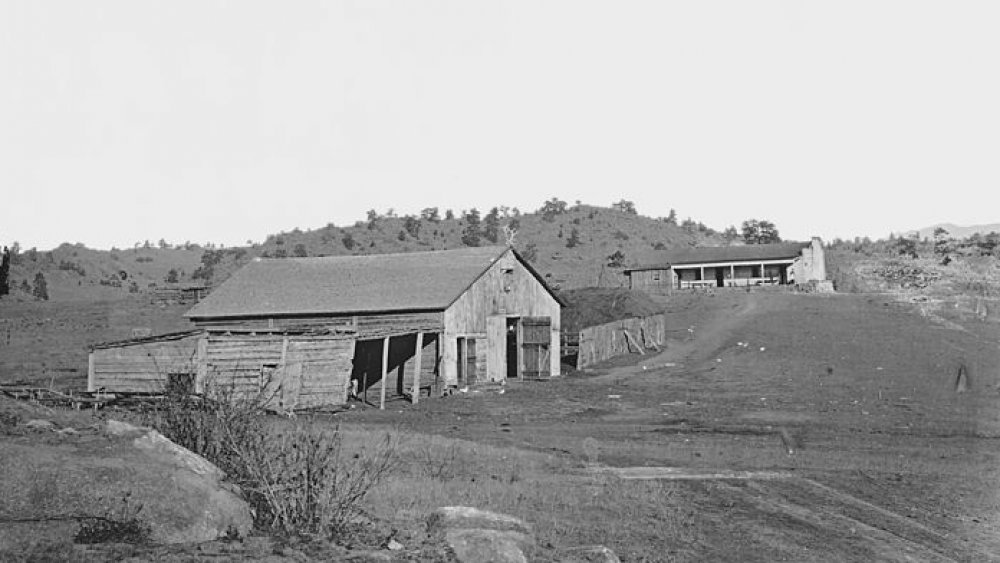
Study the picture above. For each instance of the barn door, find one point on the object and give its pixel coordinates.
(536, 342)
(496, 347)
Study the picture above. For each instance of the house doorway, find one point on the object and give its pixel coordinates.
(720, 280)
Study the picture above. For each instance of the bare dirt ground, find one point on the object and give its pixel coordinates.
(888, 461)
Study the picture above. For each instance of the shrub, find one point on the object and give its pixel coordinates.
(296, 477)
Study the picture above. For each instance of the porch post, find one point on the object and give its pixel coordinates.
(385, 371)
(415, 395)
(732, 275)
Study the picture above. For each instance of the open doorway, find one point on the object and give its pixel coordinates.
(513, 365)
(720, 279)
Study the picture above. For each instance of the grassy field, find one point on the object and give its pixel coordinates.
(889, 461)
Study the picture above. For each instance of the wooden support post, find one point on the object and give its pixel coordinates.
(732, 275)
(385, 371)
(415, 397)
(201, 366)
(90, 372)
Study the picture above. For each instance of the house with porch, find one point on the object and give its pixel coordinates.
(733, 266)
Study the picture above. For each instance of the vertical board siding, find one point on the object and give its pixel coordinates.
(514, 294)
(602, 342)
(646, 280)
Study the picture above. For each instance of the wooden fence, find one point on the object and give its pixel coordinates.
(601, 342)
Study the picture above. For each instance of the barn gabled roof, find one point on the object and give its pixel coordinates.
(710, 254)
(413, 281)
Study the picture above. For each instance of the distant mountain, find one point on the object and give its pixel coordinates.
(571, 246)
(957, 231)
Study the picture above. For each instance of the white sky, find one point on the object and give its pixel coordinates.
(224, 121)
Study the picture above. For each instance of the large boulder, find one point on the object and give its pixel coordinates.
(480, 536)
(125, 473)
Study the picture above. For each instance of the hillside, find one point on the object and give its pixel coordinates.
(606, 240)
(958, 231)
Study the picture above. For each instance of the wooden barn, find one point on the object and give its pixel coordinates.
(733, 266)
(407, 322)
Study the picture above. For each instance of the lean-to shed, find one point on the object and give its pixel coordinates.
(443, 318)
(284, 369)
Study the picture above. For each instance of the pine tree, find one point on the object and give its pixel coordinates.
(5, 272)
(471, 233)
(41, 290)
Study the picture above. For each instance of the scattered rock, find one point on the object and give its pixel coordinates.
(39, 424)
(588, 554)
(480, 536)
(119, 428)
(394, 545)
(487, 546)
(466, 517)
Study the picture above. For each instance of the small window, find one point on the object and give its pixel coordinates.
(508, 279)
(656, 276)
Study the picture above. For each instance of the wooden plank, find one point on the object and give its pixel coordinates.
(496, 352)
(419, 355)
(90, 372)
(385, 371)
(202, 366)
(631, 340)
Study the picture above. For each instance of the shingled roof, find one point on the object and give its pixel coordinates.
(414, 281)
(743, 253)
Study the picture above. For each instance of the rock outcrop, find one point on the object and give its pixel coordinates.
(123, 473)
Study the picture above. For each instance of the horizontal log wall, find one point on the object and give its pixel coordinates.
(602, 342)
(286, 372)
(142, 367)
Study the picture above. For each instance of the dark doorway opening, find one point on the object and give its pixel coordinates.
(513, 367)
(720, 280)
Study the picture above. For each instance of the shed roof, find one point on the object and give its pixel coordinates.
(413, 281)
(708, 254)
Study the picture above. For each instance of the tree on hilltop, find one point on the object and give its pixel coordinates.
(625, 206)
(551, 208)
(471, 233)
(759, 232)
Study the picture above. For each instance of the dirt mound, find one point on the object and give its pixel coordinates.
(595, 306)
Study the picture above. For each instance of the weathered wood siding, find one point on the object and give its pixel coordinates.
(287, 372)
(142, 367)
(367, 326)
(651, 280)
(509, 289)
(602, 342)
